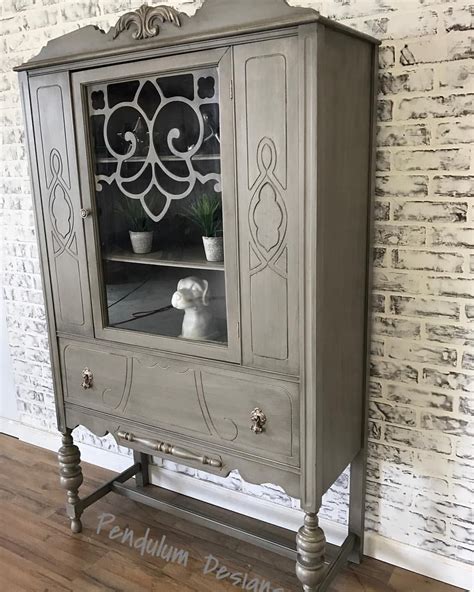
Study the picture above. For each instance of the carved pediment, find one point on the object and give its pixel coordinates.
(145, 20)
(158, 26)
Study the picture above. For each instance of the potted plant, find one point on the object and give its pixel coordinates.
(139, 224)
(206, 213)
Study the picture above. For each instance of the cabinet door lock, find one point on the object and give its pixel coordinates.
(87, 379)
(259, 419)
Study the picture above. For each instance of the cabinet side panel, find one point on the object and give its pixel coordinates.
(46, 284)
(344, 148)
(61, 202)
(266, 94)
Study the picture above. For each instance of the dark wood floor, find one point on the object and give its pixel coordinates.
(38, 553)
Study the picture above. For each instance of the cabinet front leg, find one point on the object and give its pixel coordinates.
(310, 546)
(71, 478)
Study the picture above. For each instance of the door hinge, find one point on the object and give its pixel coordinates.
(231, 89)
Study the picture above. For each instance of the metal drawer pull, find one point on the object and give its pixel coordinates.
(85, 213)
(87, 379)
(259, 419)
(170, 449)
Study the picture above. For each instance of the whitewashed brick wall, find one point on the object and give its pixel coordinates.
(421, 461)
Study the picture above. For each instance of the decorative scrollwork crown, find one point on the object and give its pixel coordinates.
(146, 19)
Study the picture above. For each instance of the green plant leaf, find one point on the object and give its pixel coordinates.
(134, 214)
(206, 213)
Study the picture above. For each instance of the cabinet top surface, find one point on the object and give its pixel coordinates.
(154, 26)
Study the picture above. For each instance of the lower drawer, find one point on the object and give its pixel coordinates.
(180, 449)
(214, 404)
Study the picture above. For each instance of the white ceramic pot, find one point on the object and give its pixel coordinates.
(214, 248)
(142, 242)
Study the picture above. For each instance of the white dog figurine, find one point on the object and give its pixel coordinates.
(193, 297)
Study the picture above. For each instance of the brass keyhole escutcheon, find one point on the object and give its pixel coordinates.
(87, 379)
(259, 419)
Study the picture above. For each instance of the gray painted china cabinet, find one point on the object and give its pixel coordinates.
(248, 127)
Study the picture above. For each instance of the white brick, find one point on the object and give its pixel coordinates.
(386, 56)
(419, 398)
(452, 159)
(417, 211)
(400, 235)
(453, 186)
(384, 110)
(428, 261)
(416, 439)
(80, 9)
(396, 328)
(422, 354)
(409, 81)
(439, 106)
(455, 287)
(455, 334)
(454, 46)
(398, 26)
(449, 380)
(459, 18)
(466, 404)
(401, 186)
(455, 132)
(458, 75)
(453, 237)
(392, 414)
(393, 371)
(422, 307)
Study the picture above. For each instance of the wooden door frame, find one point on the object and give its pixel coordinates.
(220, 58)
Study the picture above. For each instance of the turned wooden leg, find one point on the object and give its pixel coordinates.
(71, 478)
(310, 545)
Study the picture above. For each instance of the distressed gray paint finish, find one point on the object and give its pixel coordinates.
(214, 404)
(344, 112)
(216, 19)
(44, 262)
(294, 125)
(61, 202)
(266, 106)
(250, 467)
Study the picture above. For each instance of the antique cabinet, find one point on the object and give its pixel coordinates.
(248, 124)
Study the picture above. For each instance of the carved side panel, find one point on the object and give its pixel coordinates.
(60, 197)
(267, 141)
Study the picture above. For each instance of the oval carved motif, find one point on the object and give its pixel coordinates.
(60, 208)
(268, 217)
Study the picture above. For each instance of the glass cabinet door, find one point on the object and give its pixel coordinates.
(162, 208)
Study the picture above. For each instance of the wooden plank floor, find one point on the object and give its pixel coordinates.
(38, 553)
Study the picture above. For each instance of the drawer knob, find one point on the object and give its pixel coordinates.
(87, 379)
(85, 213)
(259, 419)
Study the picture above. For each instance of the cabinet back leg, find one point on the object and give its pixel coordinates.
(310, 546)
(71, 478)
(357, 505)
(142, 478)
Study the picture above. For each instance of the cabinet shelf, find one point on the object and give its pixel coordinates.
(198, 157)
(189, 257)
